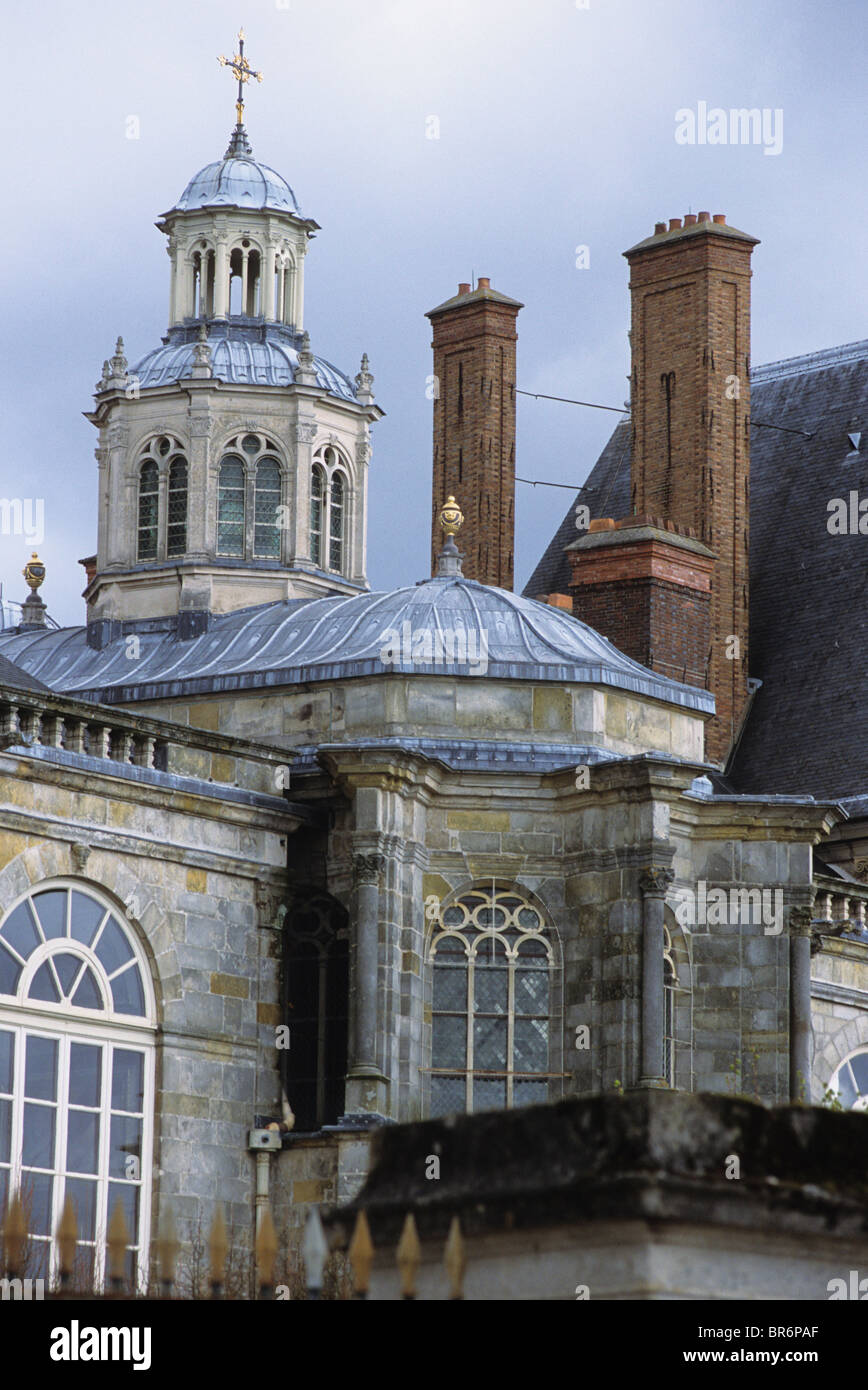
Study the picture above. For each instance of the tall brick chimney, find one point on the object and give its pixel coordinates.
(690, 400)
(474, 338)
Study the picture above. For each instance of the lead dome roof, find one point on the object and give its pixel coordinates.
(337, 638)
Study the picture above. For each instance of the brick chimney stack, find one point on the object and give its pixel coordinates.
(690, 389)
(474, 338)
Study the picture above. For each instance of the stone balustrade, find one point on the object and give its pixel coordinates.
(31, 720)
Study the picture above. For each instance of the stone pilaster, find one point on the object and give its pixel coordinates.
(654, 883)
(366, 1085)
(801, 1032)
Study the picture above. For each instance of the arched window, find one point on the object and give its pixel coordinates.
(266, 528)
(850, 1082)
(176, 531)
(316, 990)
(328, 509)
(317, 508)
(492, 963)
(230, 507)
(76, 1074)
(149, 508)
(203, 282)
(336, 523)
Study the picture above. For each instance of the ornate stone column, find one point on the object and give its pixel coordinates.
(654, 883)
(801, 1032)
(366, 1084)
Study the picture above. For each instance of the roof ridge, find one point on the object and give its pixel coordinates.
(811, 361)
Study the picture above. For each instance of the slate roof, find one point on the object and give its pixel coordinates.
(18, 678)
(807, 732)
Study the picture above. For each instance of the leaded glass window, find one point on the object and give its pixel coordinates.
(317, 506)
(176, 532)
(230, 507)
(336, 523)
(149, 510)
(266, 531)
(329, 496)
(162, 531)
(492, 962)
(76, 1076)
(316, 980)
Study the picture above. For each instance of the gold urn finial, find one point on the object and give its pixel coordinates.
(34, 572)
(451, 517)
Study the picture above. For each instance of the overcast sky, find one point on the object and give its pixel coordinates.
(557, 129)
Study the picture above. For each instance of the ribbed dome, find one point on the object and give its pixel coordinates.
(263, 359)
(238, 181)
(486, 633)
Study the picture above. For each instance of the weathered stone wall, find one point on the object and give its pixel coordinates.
(196, 877)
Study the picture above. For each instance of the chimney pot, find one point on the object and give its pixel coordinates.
(705, 217)
(484, 283)
(463, 288)
(674, 224)
(659, 228)
(690, 219)
(720, 218)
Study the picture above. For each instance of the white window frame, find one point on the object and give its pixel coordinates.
(67, 1024)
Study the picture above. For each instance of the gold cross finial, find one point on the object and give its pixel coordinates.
(241, 69)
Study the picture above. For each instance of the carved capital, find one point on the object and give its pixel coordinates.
(655, 882)
(118, 436)
(305, 431)
(201, 426)
(368, 867)
(800, 921)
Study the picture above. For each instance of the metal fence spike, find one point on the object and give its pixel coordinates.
(409, 1255)
(116, 1243)
(361, 1255)
(14, 1234)
(455, 1258)
(167, 1248)
(266, 1249)
(66, 1236)
(314, 1251)
(218, 1247)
